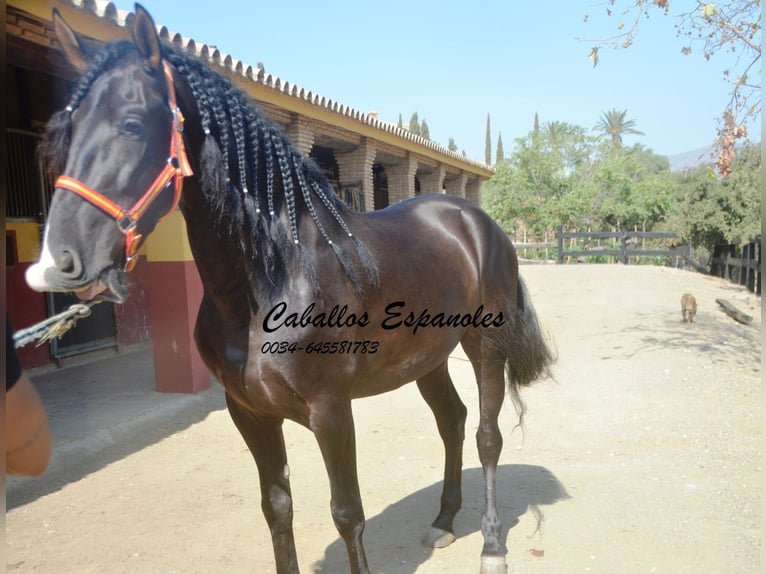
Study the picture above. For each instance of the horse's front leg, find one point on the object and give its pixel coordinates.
(450, 412)
(266, 442)
(333, 425)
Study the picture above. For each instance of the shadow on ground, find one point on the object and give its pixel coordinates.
(718, 337)
(103, 411)
(393, 537)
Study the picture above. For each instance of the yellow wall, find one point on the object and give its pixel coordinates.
(168, 242)
(27, 240)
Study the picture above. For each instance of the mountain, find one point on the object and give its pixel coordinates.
(691, 159)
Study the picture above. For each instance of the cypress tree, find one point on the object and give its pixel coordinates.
(488, 146)
(500, 155)
(424, 133)
(415, 124)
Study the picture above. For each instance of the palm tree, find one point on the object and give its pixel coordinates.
(555, 132)
(614, 125)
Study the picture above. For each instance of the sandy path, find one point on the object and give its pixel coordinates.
(642, 456)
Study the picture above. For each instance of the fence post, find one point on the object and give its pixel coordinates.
(757, 287)
(747, 262)
(624, 248)
(560, 244)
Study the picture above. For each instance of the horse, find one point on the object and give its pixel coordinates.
(307, 303)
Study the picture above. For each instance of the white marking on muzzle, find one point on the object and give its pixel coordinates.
(35, 274)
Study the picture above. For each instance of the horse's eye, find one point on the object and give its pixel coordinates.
(132, 127)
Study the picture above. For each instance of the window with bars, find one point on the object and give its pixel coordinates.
(29, 190)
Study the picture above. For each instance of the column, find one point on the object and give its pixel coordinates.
(473, 190)
(456, 186)
(433, 182)
(301, 135)
(175, 292)
(355, 169)
(401, 179)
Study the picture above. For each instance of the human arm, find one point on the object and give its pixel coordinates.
(28, 439)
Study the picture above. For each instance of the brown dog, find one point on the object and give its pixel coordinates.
(688, 307)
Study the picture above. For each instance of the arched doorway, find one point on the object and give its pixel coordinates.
(379, 186)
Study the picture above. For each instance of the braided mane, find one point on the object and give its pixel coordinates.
(250, 172)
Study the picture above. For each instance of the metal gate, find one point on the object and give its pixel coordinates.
(97, 331)
(29, 195)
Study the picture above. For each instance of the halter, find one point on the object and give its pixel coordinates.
(176, 168)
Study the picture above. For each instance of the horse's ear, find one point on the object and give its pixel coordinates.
(145, 37)
(69, 41)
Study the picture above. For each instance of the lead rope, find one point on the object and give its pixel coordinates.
(53, 327)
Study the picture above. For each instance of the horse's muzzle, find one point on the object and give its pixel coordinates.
(108, 285)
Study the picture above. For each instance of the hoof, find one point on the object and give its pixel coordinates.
(493, 565)
(438, 538)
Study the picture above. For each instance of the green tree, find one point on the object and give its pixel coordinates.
(414, 124)
(400, 124)
(506, 198)
(713, 210)
(554, 132)
(500, 153)
(631, 189)
(532, 184)
(614, 125)
(488, 145)
(452, 146)
(563, 175)
(653, 162)
(424, 132)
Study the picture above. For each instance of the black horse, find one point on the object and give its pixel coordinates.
(307, 304)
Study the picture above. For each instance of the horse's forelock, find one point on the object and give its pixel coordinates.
(54, 146)
(55, 143)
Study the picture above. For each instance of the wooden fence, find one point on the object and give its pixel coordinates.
(627, 245)
(744, 268)
(619, 245)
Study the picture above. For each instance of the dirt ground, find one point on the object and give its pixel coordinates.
(642, 456)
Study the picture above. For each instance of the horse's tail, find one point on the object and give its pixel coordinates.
(527, 351)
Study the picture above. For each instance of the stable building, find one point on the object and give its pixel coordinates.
(371, 163)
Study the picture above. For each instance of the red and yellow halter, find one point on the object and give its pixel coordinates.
(176, 168)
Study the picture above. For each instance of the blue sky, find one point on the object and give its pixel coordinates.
(455, 62)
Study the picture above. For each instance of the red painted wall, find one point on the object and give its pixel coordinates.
(25, 308)
(176, 293)
(134, 322)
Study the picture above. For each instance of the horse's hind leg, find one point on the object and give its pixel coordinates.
(490, 378)
(266, 442)
(450, 413)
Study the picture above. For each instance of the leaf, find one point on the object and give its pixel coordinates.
(593, 56)
(708, 10)
(686, 50)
